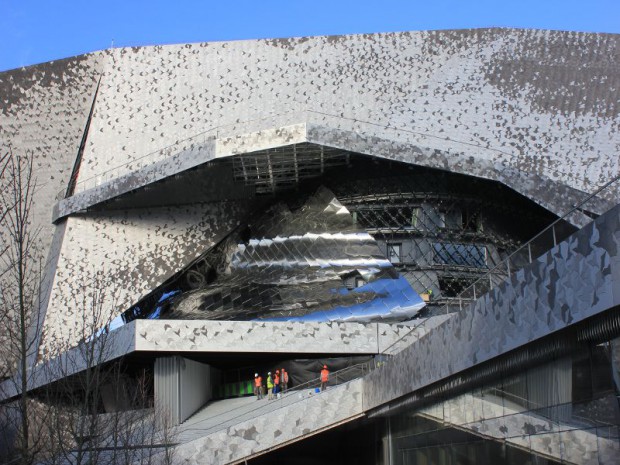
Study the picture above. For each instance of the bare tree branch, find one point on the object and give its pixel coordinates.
(20, 279)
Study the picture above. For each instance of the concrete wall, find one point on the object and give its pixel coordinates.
(182, 386)
(196, 387)
(167, 388)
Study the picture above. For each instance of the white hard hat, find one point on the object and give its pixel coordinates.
(269, 373)
(256, 375)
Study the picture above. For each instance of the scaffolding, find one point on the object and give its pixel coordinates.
(273, 170)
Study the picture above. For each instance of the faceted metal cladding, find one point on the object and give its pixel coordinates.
(439, 230)
(502, 104)
(312, 264)
(528, 119)
(573, 281)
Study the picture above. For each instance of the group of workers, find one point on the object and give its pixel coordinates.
(279, 383)
(275, 384)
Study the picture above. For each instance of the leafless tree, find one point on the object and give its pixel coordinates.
(64, 421)
(102, 414)
(20, 279)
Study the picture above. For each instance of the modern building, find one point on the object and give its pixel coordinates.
(433, 214)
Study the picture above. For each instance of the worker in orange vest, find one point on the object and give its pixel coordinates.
(276, 382)
(258, 386)
(284, 380)
(324, 377)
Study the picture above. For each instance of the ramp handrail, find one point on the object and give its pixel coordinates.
(485, 282)
(363, 368)
(213, 133)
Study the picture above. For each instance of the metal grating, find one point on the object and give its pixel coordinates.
(281, 168)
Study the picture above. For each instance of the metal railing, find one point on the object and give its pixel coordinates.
(182, 145)
(265, 123)
(292, 396)
(541, 243)
(338, 377)
(529, 252)
(546, 411)
(442, 412)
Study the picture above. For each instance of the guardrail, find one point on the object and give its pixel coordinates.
(292, 396)
(338, 377)
(553, 426)
(540, 244)
(259, 124)
(155, 156)
(548, 411)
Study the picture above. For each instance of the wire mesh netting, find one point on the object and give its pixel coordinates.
(440, 232)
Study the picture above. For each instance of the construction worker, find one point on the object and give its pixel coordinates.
(258, 386)
(269, 386)
(324, 377)
(284, 380)
(276, 382)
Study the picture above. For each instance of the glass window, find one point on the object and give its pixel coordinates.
(394, 252)
(470, 255)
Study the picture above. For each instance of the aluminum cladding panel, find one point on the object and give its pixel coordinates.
(545, 102)
(110, 260)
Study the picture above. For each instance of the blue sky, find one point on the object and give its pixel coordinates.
(38, 31)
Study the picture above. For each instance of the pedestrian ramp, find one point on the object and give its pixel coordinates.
(234, 430)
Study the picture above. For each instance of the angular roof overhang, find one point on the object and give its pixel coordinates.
(347, 135)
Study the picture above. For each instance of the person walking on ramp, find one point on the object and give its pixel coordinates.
(324, 377)
(258, 386)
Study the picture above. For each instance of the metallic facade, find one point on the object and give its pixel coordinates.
(216, 181)
(418, 97)
(573, 281)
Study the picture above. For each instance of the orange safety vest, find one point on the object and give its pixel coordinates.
(276, 380)
(324, 375)
(286, 377)
(258, 381)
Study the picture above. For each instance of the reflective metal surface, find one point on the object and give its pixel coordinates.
(311, 264)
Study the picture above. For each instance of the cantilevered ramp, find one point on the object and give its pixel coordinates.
(254, 427)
